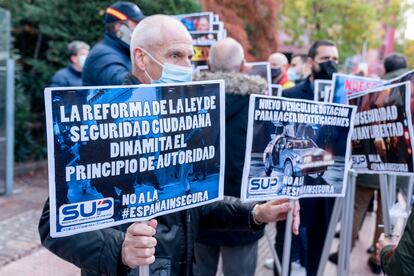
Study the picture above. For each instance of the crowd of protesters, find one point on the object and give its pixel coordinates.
(190, 242)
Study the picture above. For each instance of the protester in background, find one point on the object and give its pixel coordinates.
(397, 257)
(316, 212)
(166, 243)
(298, 69)
(71, 75)
(109, 61)
(279, 65)
(226, 61)
(394, 65)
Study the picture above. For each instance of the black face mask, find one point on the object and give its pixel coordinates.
(327, 69)
(275, 73)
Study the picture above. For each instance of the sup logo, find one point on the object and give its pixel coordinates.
(359, 161)
(263, 185)
(87, 211)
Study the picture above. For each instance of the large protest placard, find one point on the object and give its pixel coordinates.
(131, 153)
(382, 138)
(346, 85)
(322, 90)
(307, 149)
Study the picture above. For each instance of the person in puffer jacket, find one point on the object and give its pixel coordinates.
(226, 61)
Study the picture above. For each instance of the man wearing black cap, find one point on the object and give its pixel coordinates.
(109, 61)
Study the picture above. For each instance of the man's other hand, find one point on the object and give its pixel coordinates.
(277, 210)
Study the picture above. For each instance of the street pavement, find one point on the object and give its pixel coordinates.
(22, 254)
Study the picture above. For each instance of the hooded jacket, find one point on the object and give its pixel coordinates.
(99, 252)
(238, 87)
(108, 63)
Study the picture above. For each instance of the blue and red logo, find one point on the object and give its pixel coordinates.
(86, 211)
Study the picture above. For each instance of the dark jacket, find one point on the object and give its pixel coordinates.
(67, 76)
(108, 62)
(303, 90)
(400, 261)
(314, 212)
(238, 88)
(99, 252)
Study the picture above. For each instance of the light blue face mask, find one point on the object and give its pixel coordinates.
(124, 33)
(293, 75)
(170, 72)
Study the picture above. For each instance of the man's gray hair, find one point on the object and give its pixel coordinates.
(226, 55)
(75, 46)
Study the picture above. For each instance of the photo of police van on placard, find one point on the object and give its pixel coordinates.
(296, 148)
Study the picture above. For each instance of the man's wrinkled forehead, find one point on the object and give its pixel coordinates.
(171, 47)
(181, 46)
(174, 38)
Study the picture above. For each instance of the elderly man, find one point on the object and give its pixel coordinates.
(226, 61)
(279, 65)
(166, 243)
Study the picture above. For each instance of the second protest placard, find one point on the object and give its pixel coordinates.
(296, 148)
(382, 139)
